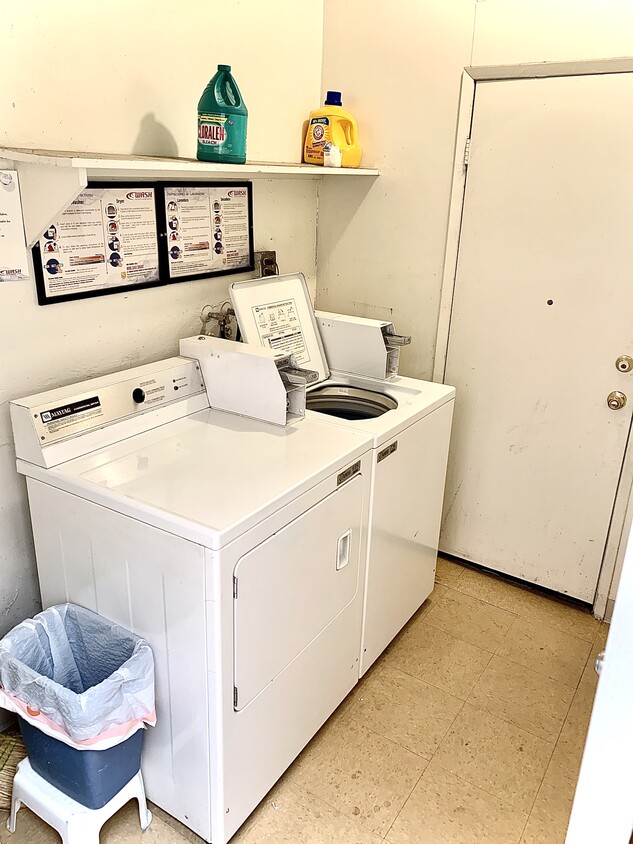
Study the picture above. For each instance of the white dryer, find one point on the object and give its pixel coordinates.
(236, 548)
(409, 422)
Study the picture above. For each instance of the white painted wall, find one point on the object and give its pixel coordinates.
(522, 31)
(128, 76)
(381, 247)
(127, 79)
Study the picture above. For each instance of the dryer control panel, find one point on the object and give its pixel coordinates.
(55, 416)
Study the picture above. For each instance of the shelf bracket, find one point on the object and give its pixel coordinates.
(46, 192)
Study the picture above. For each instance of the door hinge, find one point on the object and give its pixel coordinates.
(467, 153)
(235, 587)
(235, 697)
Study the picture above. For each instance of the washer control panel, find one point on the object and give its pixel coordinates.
(103, 401)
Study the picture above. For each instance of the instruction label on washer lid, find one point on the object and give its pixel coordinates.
(279, 327)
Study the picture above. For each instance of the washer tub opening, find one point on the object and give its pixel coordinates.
(351, 403)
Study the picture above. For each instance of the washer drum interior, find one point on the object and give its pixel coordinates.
(349, 402)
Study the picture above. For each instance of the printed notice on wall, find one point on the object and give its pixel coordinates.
(13, 255)
(106, 239)
(209, 229)
(279, 328)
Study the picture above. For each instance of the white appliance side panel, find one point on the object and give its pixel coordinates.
(293, 585)
(152, 583)
(257, 744)
(353, 345)
(406, 514)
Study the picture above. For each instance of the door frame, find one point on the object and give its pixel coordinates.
(622, 514)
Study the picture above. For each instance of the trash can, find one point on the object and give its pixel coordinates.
(83, 690)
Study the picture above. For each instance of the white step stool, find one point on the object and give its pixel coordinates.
(75, 823)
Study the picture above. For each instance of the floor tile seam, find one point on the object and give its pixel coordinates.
(475, 598)
(440, 598)
(459, 638)
(535, 812)
(337, 809)
(477, 786)
(529, 669)
(439, 688)
(426, 682)
(525, 616)
(555, 629)
(444, 583)
(546, 818)
(427, 759)
(446, 734)
(512, 724)
(527, 820)
(540, 673)
(571, 703)
(542, 780)
(405, 803)
(444, 739)
(454, 580)
(589, 655)
(457, 576)
(562, 771)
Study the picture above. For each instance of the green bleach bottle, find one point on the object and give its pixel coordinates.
(222, 118)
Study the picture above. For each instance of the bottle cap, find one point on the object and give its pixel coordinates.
(333, 98)
(224, 67)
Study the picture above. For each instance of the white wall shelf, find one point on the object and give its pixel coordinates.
(51, 179)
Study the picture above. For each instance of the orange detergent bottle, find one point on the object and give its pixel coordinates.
(332, 124)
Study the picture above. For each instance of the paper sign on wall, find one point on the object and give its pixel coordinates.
(13, 254)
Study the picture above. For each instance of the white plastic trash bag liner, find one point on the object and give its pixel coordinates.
(78, 677)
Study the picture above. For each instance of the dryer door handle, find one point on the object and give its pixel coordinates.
(342, 549)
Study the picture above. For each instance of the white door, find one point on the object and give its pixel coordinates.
(603, 808)
(542, 309)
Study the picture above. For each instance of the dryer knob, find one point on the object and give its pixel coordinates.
(138, 395)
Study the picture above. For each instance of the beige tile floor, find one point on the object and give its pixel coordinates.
(468, 730)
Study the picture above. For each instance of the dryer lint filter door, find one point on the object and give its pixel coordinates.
(292, 586)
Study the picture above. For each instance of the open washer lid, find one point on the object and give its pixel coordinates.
(277, 312)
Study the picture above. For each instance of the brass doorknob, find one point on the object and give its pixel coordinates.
(624, 363)
(616, 400)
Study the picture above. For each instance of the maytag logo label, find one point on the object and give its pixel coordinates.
(70, 409)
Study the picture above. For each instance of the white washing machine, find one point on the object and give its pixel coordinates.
(409, 422)
(236, 548)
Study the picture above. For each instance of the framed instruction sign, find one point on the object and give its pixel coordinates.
(106, 241)
(207, 229)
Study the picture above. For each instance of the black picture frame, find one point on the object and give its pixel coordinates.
(40, 285)
(163, 228)
(164, 276)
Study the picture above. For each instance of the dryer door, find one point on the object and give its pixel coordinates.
(291, 587)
